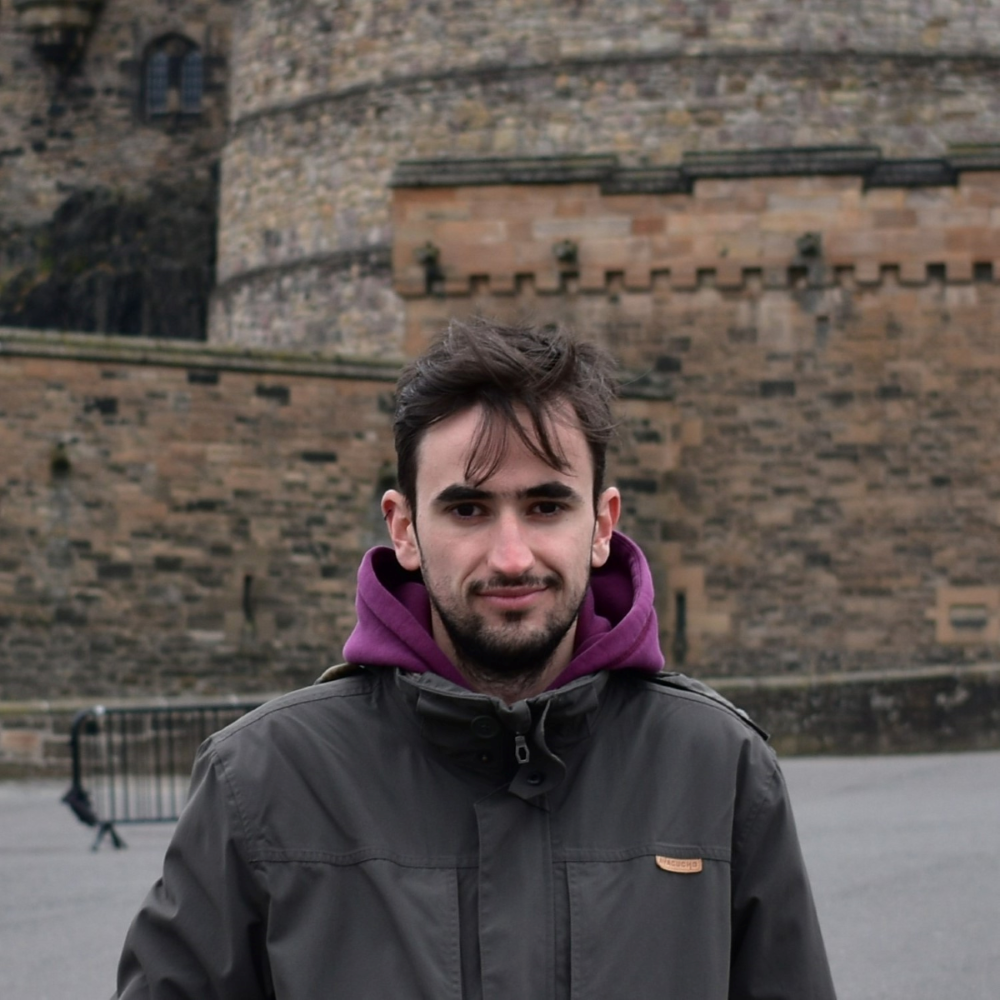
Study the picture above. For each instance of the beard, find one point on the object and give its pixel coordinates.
(508, 651)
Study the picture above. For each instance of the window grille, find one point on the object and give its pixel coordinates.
(157, 83)
(191, 82)
(174, 78)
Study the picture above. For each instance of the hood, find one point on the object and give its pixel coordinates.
(616, 629)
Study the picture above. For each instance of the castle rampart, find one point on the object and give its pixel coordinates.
(783, 218)
(829, 345)
(327, 103)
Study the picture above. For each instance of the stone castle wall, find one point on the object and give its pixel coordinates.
(826, 500)
(108, 218)
(807, 447)
(184, 521)
(327, 102)
(64, 134)
(296, 50)
(178, 521)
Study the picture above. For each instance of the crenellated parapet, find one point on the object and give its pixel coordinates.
(769, 219)
(331, 106)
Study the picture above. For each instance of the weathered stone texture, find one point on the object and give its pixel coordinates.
(806, 451)
(828, 497)
(803, 237)
(321, 306)
(915, 711)
(175, 529)
(328, 98)
(188, 521)
(64, 134)
(107, 219)
(294, 49)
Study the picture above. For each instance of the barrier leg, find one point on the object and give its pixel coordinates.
(109, 829)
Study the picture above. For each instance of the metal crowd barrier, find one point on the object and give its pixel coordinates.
(133, 765)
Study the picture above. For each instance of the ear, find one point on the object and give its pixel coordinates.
(609, 508)
(402, 532)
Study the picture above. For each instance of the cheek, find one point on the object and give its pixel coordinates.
(574, 558)
(439, 561)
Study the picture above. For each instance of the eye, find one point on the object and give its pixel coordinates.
(548, 508)
(467, 510)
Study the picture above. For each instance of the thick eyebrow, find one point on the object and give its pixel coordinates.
(459, 493)
(551, 491)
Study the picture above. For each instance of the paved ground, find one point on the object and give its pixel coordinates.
(904, 854)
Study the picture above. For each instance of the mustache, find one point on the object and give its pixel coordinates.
(499, 582)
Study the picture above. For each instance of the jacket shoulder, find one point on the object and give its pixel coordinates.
(680, 684)
(301, 703)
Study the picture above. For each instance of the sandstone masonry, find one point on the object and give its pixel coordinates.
(64, 132)
(327, 102)
(783, 219)
(179, 520)
(826, 499)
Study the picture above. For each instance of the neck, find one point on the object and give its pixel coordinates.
(510, 689)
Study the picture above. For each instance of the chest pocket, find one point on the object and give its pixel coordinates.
(368, 930)
(650, 925)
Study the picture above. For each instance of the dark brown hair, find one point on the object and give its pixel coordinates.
(502, 367)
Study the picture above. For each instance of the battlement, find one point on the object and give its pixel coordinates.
(770, 219)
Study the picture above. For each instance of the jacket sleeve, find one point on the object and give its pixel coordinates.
(778, 950)
(200, 932)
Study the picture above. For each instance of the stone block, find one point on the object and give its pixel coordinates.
(966, 616)
(22, 744)
(683, 276)
(637, 277)
(548, 281)
(502, 284)
(913, 272)
(729, 274)
(593, 279)
(959, 269)
(868, 272)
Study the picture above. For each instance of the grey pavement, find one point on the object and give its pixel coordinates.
(904, 857)
(904, 854)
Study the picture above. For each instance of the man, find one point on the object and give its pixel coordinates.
(501, 797)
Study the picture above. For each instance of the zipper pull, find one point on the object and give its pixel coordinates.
(521, 751)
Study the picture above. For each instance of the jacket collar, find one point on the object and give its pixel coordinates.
(517, 743)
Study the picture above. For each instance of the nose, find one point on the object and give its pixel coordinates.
(510, 553)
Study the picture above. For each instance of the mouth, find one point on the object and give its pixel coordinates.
(513, 595)
(510, 598)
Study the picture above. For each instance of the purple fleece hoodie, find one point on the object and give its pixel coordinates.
(616, 628)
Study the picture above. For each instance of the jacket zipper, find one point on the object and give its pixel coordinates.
(521, 751)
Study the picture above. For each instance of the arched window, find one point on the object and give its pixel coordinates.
(173, 78)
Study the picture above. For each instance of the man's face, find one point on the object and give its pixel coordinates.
(506, 561)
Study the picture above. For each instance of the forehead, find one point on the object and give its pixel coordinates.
(446, 448)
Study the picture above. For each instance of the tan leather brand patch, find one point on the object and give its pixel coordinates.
(685, 866)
